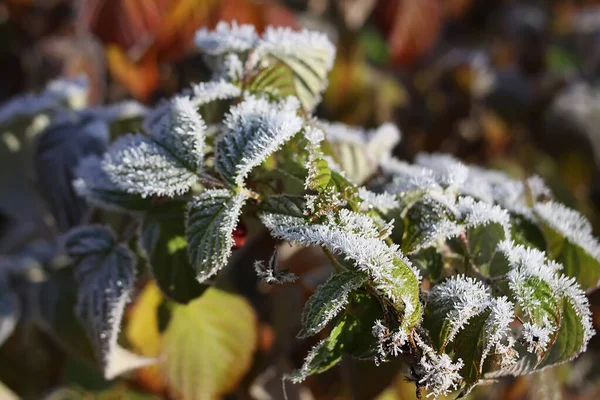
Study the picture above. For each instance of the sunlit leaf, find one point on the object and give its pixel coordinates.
(209, 345)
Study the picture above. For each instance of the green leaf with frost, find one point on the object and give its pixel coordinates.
(105, 275)
(328, 300)
(211, 218)
(254, 129)
(168, 161)
(570, 242)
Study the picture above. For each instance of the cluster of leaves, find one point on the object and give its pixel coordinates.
(469, 274)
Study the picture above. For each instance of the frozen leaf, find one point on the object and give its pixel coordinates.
(59, 150)
(328, 300)
(105, 275)
(163, 239)
(209, 345)
(309, 54)
(211, 219)
(255, 128)
(95, 186)
(167, 162)
(570, 242)
(436, 372)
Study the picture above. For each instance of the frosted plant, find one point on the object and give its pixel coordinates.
(465, 273)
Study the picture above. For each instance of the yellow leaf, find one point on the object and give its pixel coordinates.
(209, 345)
(142, 332)
(142, 328)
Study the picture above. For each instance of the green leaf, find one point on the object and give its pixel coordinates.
(451, 306)
(277, 80)
(328, 300)
(209, 345)
(325, 355)
(482, 241)
(163, 239)
(389, 270)
(469, 345)
(570, 339)
(352, 334)
(570, 241)
(308, 54)
(211, 219)
(105, 275)
(284, 205)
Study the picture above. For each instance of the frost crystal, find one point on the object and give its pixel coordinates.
(497, 332)
(256, 128)
(477, 213)
(389, 343)
(226, 39)
(271, 274)
(436, 372)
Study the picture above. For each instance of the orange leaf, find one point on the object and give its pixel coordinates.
(141, 79)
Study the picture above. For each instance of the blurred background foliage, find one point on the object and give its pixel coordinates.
(513, 85)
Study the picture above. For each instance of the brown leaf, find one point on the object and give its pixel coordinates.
(411, 26)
